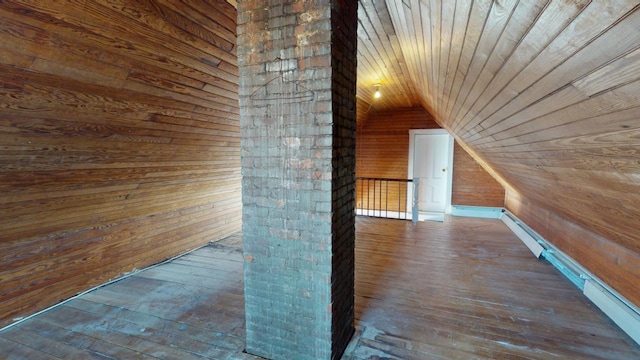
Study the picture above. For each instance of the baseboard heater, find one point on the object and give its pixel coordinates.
(485, 212)
(625, 314)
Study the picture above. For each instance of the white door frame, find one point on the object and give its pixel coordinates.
(412, 134)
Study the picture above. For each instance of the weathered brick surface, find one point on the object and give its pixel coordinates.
(297, 96)
(343, 65)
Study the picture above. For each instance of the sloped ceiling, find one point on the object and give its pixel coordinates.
(545, 94)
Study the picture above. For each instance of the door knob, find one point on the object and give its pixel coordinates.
(444, 170)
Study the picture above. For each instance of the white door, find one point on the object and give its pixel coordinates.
(431, 166)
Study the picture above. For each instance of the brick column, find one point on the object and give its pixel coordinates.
(297, 62)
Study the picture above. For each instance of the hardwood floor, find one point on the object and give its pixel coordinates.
(463, 289)
(469, 289)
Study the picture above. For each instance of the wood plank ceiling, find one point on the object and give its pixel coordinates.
(544, 94)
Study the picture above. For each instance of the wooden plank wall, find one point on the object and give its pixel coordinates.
(382, 151)
(472, 185)
(545, 93)
(594, 251)
(119, 140)
(382, 141)
(363, 110)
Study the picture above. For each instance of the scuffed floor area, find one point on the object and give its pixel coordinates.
(466, 288)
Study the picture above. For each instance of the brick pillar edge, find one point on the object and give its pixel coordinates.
(297, 63)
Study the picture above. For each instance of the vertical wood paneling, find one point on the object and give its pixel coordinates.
(382, 151)
(472, 185)
(363, 110)
(119, 141)
(382, 142)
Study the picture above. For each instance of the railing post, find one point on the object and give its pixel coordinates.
(415, 213)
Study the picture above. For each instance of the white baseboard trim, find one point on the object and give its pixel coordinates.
(523, 235)
(625, 314)
(477, 211)
(626, 318)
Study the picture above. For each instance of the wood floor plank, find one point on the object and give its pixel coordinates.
(51, 346)
(115, 332)
(155, 332)
(473, 298)
(13, 350)
(193, 280)
(465, 288)
(81, 341)
(189, 331)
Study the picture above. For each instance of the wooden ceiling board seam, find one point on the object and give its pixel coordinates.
(412, 99)
(601, 124)
(625, 178)
(409, 85)
(211, 11)
(579, 34)
(519, 24)
(514, 65)
(367, 53)
(427, 17)
(366, 57)
(435, 10)
(618, 72)
(88, 47)
(368, 91)
(551, 161)
(557, 100)
(601, 108)
(560, 100)
(613, 101)
(229, 11)
(418, 50)
(196, 23)
(477, 21)
(462, 14)
(626, 163)
(149, 27)
(596, 180)
(432, 48)
(385, 17)
(415, 50)
(388, 57)
(402, 30)
(559, 75)
(447, 15)
(495, 25)
(511, 67)
(410, 66)
(389, 80)
(418, 46)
